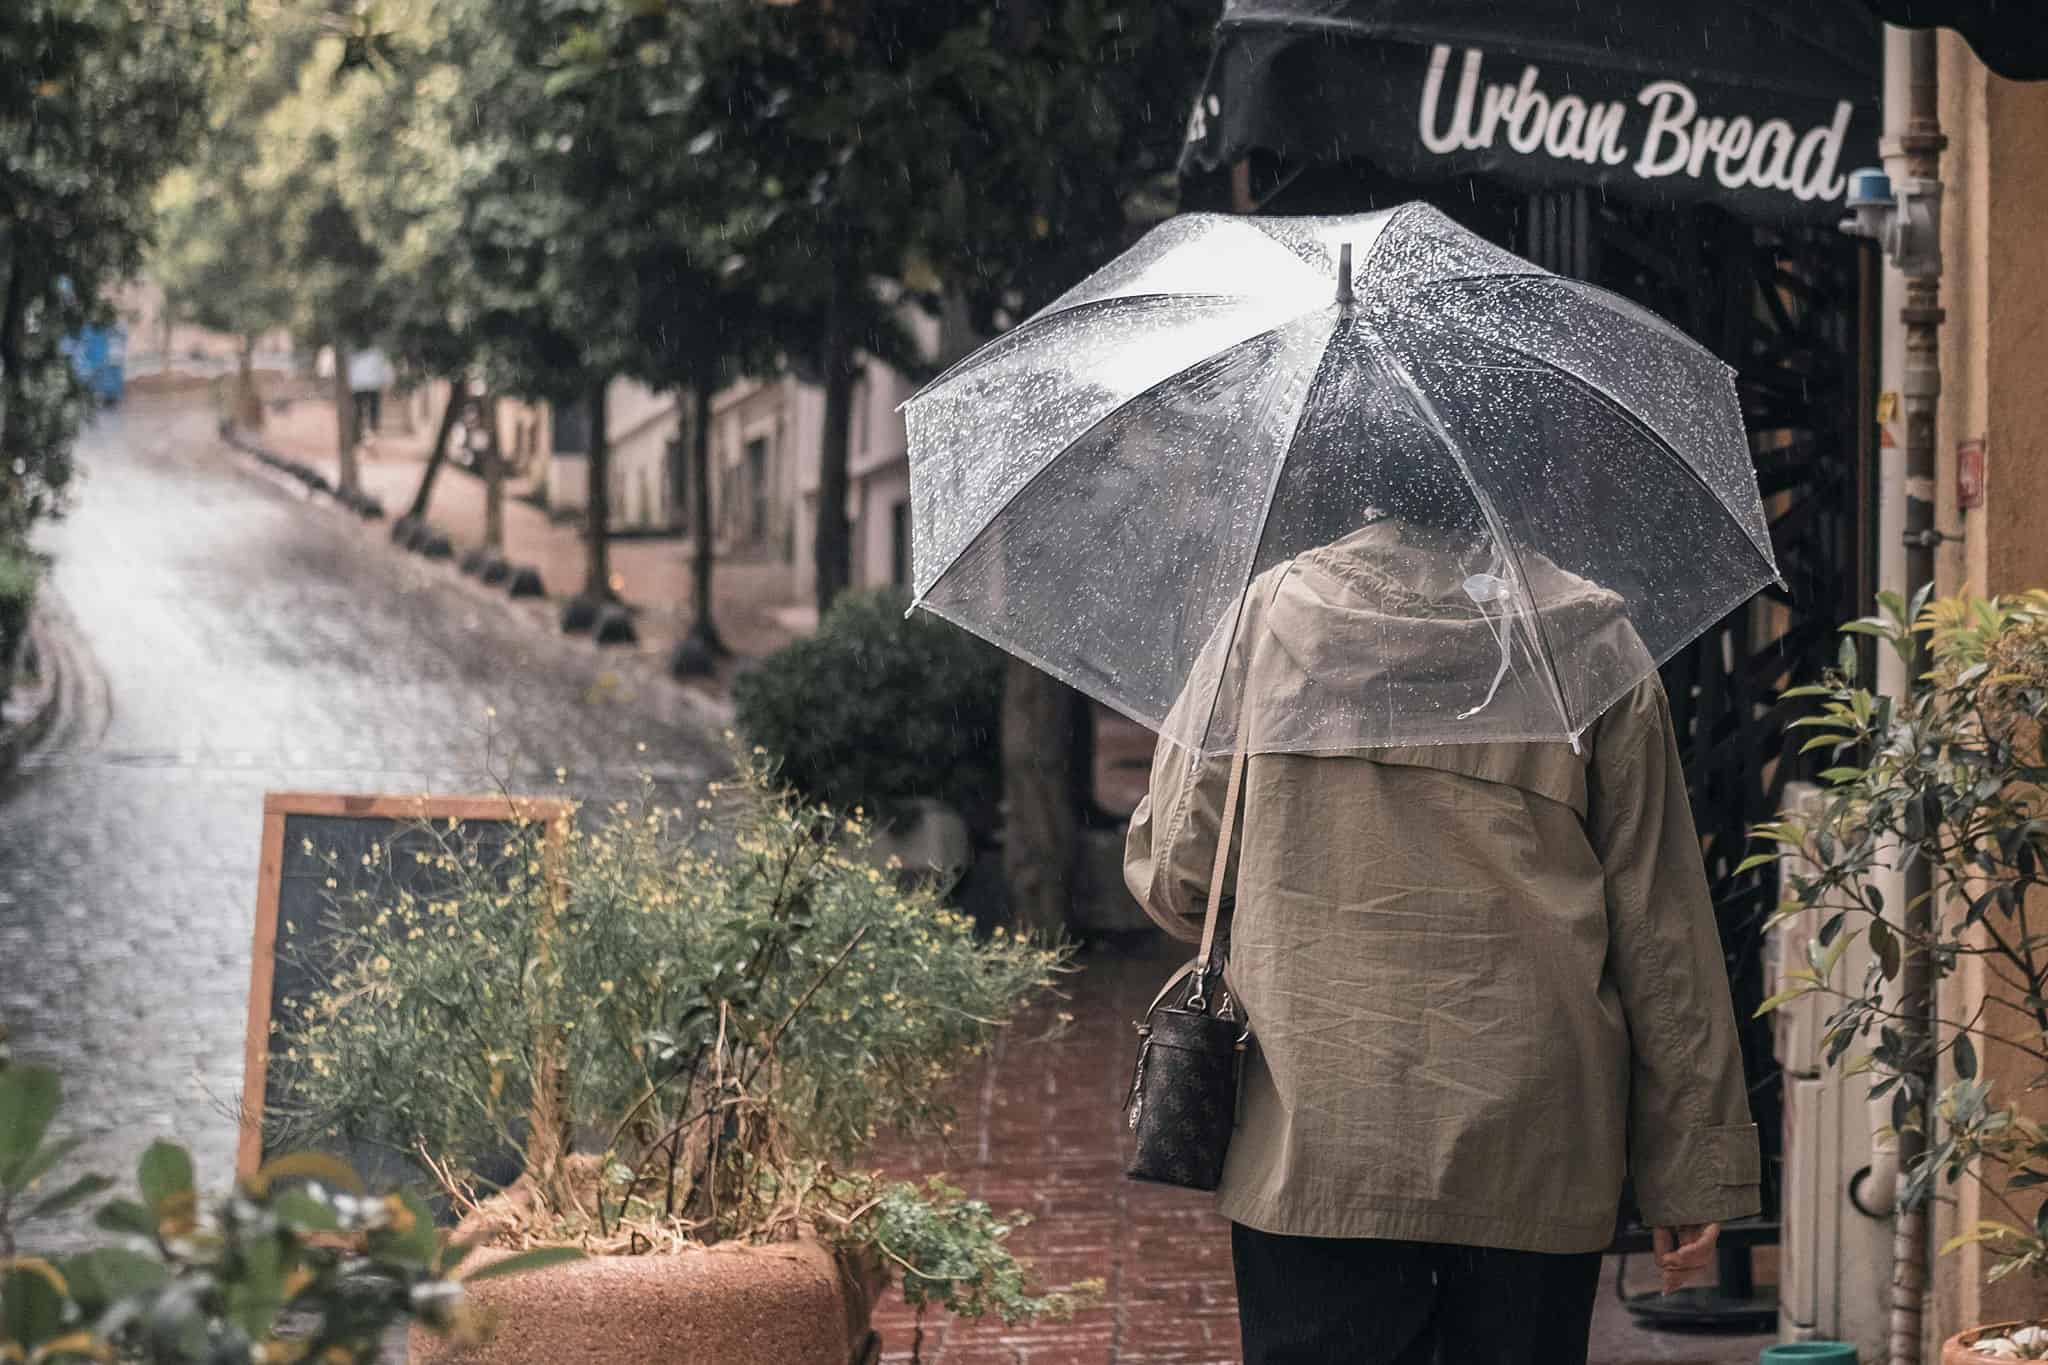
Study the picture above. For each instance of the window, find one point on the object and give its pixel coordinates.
(757, 488)
(860, 415)
(899, 544)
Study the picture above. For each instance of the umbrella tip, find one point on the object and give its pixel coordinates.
(1344, 295)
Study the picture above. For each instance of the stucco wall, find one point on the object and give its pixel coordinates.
(1994, 387)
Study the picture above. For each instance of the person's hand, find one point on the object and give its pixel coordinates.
(1683, 1251)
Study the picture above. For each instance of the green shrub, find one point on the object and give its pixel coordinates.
(20, 572)
(876, 709)
(690, 1027)
(296, 1264)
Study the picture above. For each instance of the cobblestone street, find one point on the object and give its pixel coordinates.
(223, 637)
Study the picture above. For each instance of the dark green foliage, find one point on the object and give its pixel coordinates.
(98, 99)
(20, 571)
(876, 709)
(298, 1254)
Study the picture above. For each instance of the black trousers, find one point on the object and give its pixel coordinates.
(1331, 1301)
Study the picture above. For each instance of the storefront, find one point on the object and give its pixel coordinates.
(1691, 158)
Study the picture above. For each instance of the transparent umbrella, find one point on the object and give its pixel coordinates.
(1337, 483)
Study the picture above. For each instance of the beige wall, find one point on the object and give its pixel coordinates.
(1994, 386)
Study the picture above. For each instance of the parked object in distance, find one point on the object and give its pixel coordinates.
(99, 356)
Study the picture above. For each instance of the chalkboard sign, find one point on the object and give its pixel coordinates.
(310, 841)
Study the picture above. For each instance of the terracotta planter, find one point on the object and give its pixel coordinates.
(792, 1303)
(1956, 1350)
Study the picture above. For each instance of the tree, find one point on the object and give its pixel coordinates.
(402, 175)
(1081, 133)
(98, 100)
(700, 319)
(216, 234)
(547, 197)
(835, 126)
(342, 295)
(876, 152)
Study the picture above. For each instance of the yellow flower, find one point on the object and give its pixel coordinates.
(605, 986)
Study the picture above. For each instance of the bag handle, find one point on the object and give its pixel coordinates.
(1199, 1000)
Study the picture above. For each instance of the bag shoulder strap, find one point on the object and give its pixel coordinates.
(1228, 828)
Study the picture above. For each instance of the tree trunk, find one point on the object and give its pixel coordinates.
(438, 456)
(832, 543)
(13, 316)
(703, 629)
(248, 403)
(494, 476)
(344, 421)
(597, 574)
(1040, 837)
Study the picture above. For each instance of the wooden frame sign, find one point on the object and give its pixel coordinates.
(304, 834)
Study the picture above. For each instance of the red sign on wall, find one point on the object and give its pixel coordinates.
(1970, 473)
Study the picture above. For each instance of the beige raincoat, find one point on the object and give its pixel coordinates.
(1483, 980)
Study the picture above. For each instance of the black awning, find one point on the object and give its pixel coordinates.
(2009, 36)
(1761, 106)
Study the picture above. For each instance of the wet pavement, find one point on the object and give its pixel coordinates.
(222, 637)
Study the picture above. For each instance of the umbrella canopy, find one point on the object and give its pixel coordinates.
(1761, 106)
(1439, 494)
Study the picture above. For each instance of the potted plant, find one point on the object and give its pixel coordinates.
(1951, 775)
(687, 1027)
(296, 1264)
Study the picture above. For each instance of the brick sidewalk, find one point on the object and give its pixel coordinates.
(653, 573)
(1041, 1129)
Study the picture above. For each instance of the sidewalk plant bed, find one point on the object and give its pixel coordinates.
(1951, 775)
(690, 1025)
(20, 572)
(297, 1264)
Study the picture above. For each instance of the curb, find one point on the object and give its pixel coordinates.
(361, 504)
(715, 712)
(16, 740)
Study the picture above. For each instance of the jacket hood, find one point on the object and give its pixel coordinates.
(1401, 635)
(1391, 601)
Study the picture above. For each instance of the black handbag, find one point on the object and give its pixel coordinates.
(1183, 1096)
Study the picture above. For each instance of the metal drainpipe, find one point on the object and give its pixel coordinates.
(1922, 143)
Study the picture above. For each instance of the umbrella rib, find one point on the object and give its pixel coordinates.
(1420, 405)
(1642, 428)
(1075, 441)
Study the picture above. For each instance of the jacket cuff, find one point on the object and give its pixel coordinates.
(1713, 1174)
